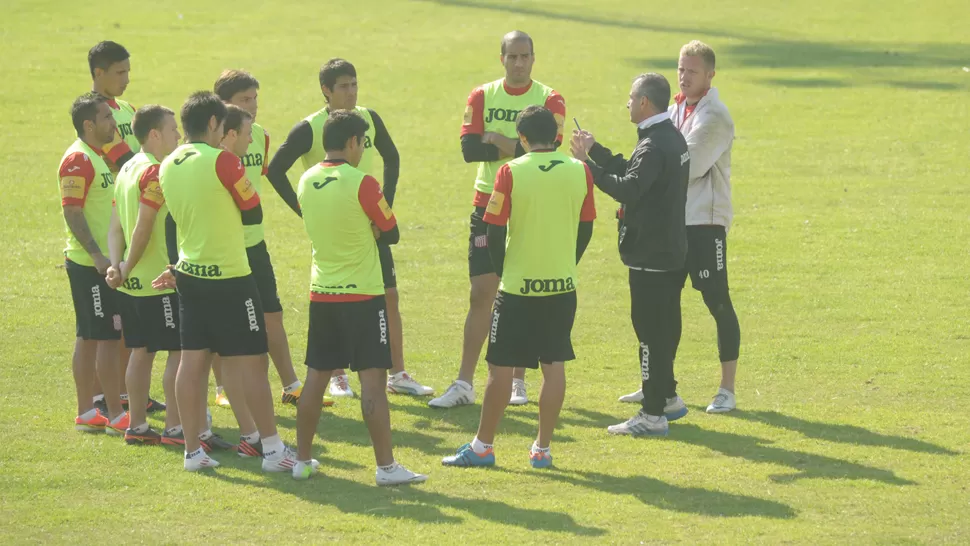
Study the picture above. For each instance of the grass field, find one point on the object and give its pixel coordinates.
(848, 265)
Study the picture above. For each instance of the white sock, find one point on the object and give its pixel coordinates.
(195, 454)
(118, 419)
(174, 430)
(273, 447)
(250, 438)
(399, 375)
(98, 397)
(293, 387)
(140, 429)
(480, 447)
(537, 449)
(88, 414)
(388, 468)
(206, 435)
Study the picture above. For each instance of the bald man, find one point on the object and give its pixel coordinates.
(488, 138)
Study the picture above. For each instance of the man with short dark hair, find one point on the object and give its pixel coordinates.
(540, 219)
(489, 138)
(110, 66)
(344, 212)
(338, 83)
(211, 199)
(651, 188)
(87, 189)
(139, 251)
(240, 89)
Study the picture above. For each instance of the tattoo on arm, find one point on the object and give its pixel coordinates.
(74, 216)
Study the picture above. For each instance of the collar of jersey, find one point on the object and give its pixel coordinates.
(516, 91)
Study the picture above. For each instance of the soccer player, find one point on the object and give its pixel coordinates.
(241, 89)
(87, 189)
(338, 82)
(488, 138)
(110, 66)
(705, 122)
(540, 219)
(344, 211)
(652, 189)
(138, 252)
(210, 200)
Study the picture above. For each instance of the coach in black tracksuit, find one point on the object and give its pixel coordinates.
(652, 190)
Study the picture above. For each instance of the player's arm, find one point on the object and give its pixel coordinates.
(643, 169)
(706, 142)
(117, 151)
(150, 200)
(389, 154)
(586, 216)
(232, 174)
(375, 206)
(497, 217)
(116, 251)
(557, 105)
(297, 143)
(473, 148)
(76, 176)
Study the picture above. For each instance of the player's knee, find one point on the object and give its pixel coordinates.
(482, 295)
(718, 301)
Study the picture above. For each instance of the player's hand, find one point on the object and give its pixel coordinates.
(101, 263)
(376, 230)
(165, 281)
(576, 146)
(113, 277)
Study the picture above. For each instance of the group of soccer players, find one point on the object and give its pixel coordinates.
(187, 269)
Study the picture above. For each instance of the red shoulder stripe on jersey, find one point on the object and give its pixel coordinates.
(500, 204)
(375, 206)
(473, 122)
(232, 174)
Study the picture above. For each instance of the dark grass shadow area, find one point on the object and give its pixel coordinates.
(845, 434)
(690, 500)
(761, 52)
(804, 465)
(412, 503)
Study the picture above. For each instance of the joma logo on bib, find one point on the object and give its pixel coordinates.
(252, 160)
(125, 130)
(547, 285)
(198, 270)
(501, 114)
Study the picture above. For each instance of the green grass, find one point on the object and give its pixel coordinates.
(848, 265)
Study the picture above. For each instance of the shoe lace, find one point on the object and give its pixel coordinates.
(720, 399)
(518, 388)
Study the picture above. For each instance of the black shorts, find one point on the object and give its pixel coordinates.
(479, 261)
(351, 334)
(150, 322)
(528, 330)
(264, 276)
(707, 257)
(96, 313)
(387, 266)
(224, 316)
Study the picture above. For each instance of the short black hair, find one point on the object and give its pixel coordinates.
(85, 108)
(538, 125)
(104, 54)
(198, 109)
(233, 81)
(147, 118)
(333, 69)
(340, 127)
(516, 36)
(235, 116)
(655, 87)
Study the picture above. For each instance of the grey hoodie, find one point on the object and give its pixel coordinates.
(709, 132)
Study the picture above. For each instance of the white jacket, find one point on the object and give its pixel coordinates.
(709, 132)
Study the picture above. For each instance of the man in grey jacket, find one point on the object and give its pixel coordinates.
(706, 124)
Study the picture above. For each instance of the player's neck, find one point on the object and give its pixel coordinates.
(691, 101)
(511, 84)
(90, 142)
(333, 157)
(153, 150)
(103, 92)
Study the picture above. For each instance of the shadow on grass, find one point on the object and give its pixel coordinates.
(413, 503)
(692, 500)
(846, 434)
(806, 465)
(761, 52)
